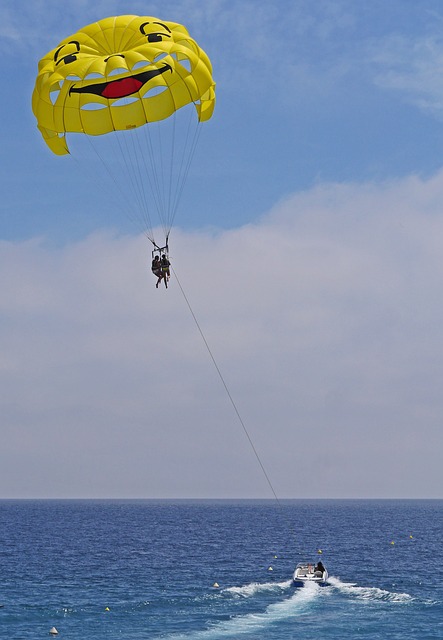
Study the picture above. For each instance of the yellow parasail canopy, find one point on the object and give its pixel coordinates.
(117, 74)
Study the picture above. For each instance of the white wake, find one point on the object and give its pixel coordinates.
(252, 589)
(368, 593)
(254, 622)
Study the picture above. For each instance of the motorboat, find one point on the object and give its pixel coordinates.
(307, 572)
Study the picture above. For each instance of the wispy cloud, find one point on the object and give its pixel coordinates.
(414, 68)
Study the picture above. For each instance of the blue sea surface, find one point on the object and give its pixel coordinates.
(147, 569)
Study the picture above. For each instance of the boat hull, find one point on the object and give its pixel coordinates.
(305, 573)
(298, 582)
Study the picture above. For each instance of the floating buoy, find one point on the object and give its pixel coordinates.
(53, 631)
(216, 585)
(270, 569)
(411, 537)
(107, 609)
(392, 542)
(275, 556)
(319, 551)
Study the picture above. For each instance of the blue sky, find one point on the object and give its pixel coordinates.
(308, 241)
(306, 93)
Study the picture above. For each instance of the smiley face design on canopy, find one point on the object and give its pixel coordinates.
(120, 73)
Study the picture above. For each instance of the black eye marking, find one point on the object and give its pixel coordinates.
(70, 57)
(155, 36)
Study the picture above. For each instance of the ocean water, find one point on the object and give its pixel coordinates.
(146, 569)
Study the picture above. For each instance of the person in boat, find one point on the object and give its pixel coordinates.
(319, 566)
(157, 270)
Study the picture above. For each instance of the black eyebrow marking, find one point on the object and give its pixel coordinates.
(77, 44)
(142, 27)
(164, 26)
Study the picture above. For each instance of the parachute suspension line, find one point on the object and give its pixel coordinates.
(133, 169)
(187, 152)
(144, 175)
(129, 156)
(189, 148)
(123, 202)
(171, 168)
(155, 170)
(168, 155)
(268, 480)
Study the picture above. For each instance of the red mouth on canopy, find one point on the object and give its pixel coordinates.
(121, 88)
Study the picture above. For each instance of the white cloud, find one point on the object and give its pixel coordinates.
(324, 318)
